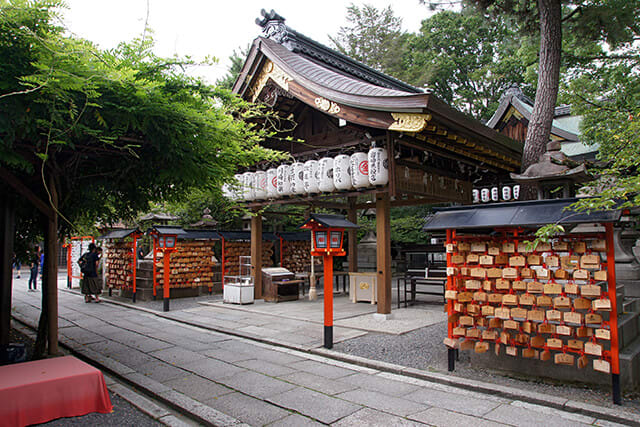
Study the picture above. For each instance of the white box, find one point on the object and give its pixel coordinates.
(238, 293)
(362, 287)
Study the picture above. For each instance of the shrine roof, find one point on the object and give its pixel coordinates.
(296, 66)
(119, 233)
(515, 214)
(330, 221)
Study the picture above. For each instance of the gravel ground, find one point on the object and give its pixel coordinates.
(124, 414)
(423, 349)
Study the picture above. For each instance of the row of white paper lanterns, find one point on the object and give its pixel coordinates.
(486, 195)
(329, 174)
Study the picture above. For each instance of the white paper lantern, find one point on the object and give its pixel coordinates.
(378, 166)
(495, 196)
(248, 188)
(272, 183)
(237, 187)
(297, 178)
(310, 177)
(284, 183)
(341, 173)
(484, 195)
(516, 191)
(506, 193)
(359, 170)
(476, 195)
(326, 175)
(260, 185)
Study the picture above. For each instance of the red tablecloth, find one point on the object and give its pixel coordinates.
(40, 391)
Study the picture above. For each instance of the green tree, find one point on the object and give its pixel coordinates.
(373, 37)
(100, 134)
(607, 95)
(466, 60)
(237, 61)
(588, 21)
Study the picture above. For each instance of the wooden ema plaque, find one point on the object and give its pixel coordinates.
(550, 303)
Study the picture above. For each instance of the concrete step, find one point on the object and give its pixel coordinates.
(630, 363)
(630, 305)
(628, 328)
(632, 287)
(619, 300)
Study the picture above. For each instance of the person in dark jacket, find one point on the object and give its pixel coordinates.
(34, 264)
(91, 285)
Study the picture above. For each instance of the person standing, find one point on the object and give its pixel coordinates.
(16, 265)
(91, 283)
(42, 267)
(34, 264)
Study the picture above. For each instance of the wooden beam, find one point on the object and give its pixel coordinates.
(324, 200)
(352, 215)
(256, 253)
(383, 265)
(27, 193)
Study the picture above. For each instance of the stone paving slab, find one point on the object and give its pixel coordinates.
(295, 420)
(514, 415)
(379, 384)
(318, 383)
(322, 369)
(316, 405)
(264, 367)
(443, 418)
(212, 369)
(161, 372)
(252, 411)
(371, 418)
(382, 402)
(197, 387)
(452, 401)
(177, 356)
(256, 384)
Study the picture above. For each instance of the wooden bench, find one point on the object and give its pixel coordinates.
(414, 285)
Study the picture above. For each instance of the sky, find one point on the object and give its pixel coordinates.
(201, 28)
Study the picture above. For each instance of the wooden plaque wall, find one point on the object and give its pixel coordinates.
(420, 182)
(552, 303)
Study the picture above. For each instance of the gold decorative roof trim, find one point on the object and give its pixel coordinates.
(269, 71)
(324, 104)
(409, 122)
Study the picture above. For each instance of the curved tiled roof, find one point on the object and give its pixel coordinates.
(321, 75)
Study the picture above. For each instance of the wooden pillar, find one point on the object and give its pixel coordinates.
(352, 215)
(256, 252)
(383, 231)
(7, 225)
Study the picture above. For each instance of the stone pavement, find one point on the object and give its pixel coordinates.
(220, 379)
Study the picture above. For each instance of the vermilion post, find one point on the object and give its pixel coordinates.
(328, 301)
(613, 317)
(451, 351)
(165, 285)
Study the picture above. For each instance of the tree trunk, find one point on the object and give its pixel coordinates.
(7, 225)
(539, 128)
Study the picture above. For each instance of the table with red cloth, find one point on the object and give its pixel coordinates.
(43, 390)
